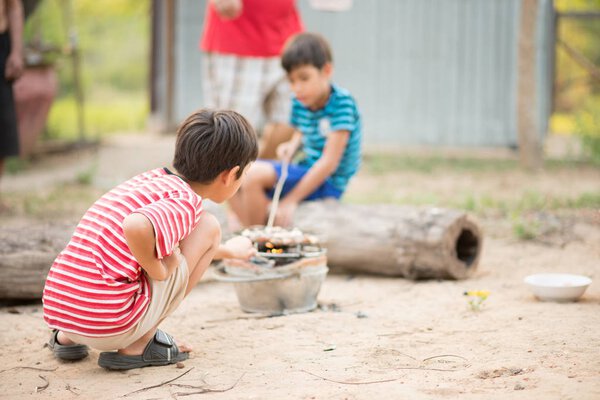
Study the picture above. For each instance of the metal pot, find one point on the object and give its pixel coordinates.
(276, 290)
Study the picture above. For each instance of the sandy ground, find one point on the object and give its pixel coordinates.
(371, 337)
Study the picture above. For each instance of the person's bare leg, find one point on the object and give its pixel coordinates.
(199, 248)
(274, 133)
(251, 202)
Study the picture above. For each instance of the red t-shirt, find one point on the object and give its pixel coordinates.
(96, 286)
(260, 31)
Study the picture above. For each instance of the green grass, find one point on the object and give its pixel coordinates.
(528, 201)
(15, 164)
(121, 114)
(63, 201)
(381, 164)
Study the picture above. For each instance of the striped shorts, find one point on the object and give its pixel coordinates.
(256, 87)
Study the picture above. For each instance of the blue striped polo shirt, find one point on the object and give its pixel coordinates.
(339, 114)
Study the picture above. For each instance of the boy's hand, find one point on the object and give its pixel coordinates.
(239, 247)
(14, 67)
(285, 213)
(172, 261)
(228, 9)
(285, 151)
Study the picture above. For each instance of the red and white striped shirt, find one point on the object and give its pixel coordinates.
(95, 286)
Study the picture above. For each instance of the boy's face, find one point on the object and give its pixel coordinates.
(311, 85)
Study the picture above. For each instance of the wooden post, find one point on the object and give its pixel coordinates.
(530, 148)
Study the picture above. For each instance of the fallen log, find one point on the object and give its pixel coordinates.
(416, 243)
(26, 254)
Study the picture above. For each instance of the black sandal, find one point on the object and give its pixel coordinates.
(70, 352)
(161, 350)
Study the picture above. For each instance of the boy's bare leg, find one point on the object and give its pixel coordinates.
(199, 248)
(274, 134)
(251, 203)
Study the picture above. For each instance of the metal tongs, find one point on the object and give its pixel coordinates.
(277, 194)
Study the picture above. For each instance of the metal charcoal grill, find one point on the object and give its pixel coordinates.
(285, 276)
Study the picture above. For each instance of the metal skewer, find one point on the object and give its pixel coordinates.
(277, 194)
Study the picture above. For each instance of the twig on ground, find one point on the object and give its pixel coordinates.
(444, 355)
(395, 334)
(349, 383)
(43, 387)
(159, 385)
(33, 368)
(409, 356)
(70, 389)
(379, 381)
(206, 390)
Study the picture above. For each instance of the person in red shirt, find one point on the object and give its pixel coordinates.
(143, 246)
(241, 43)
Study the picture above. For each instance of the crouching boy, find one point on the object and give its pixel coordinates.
(141, 248)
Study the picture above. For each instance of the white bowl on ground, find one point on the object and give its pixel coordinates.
(557, 287)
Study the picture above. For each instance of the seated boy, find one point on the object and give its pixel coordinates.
(143, 246)
(328, 127)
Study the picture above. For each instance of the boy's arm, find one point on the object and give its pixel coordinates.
(139, 234)
(316, 175)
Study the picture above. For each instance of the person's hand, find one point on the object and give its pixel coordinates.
(285, 213)
(14, 66)
(228, 9)
(239, 247)
(172, 261)
(285, 151)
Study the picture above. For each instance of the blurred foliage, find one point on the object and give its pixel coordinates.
(112, 37)
(574, 84)
(588, 128)
(126, 113)
(562, 123)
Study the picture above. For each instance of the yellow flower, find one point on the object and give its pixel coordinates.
(483, 294)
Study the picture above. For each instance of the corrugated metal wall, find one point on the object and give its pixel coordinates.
(438, 72)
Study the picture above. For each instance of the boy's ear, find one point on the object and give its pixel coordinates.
(230, 176)
(328, 69)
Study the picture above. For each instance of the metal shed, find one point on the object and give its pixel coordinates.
(424, 72)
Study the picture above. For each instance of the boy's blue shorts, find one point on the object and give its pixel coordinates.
(295, 173)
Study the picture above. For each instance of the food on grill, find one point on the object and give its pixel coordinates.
(284, 247)
(278, 236)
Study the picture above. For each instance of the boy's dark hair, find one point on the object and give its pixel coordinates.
(306, 49)
(210, 142)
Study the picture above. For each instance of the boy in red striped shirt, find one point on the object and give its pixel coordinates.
(144, 245)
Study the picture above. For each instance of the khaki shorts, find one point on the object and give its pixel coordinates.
(166, 296)
(256, 87)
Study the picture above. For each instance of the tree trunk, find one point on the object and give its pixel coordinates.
(415, 243)
(530, 146)
(26, 254)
